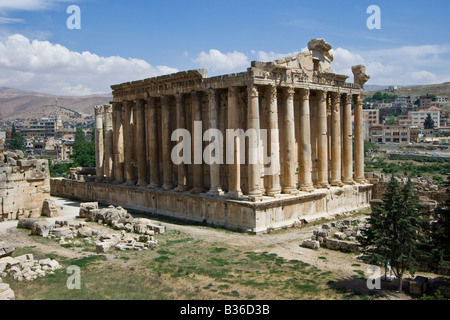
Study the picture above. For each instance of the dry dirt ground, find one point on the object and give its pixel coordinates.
(285, 243)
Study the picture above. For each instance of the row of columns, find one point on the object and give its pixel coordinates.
(132, 141)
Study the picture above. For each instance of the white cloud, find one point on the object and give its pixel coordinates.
(408, 65)
(218, 61)
(27, 5)
(46, 67)
(5, 20)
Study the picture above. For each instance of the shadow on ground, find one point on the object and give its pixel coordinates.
(353, 287)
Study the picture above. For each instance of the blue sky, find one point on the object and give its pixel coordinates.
(129, 40)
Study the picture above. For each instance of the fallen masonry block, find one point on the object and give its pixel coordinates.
(6, 293)
(311, 244)
(41, 228)
(64, 232)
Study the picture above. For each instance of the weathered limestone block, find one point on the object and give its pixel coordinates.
(85, 232)
(6, 293)
(50, 209)
(311, 244)
(41, 228)
(86, 210)
(27, 223)
(64, 232)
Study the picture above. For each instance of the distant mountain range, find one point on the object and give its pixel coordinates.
(442, 89)
(21, 104)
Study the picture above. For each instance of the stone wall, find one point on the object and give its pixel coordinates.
(24, 185)
(425, 187)
(241, 215)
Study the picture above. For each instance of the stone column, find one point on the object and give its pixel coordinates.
(322, 143)
(348, 141)
(108, 159)
(118, 142)
(359, 140)
(128, 143)
(99, 151)
(254, 166)
(336, 174)
(198, 168)
(305, 179)
(141, 149)
(289, 134)
(152, 144)
(274, 187)
(234, 172)
(181, 124)
(166, 144)
(216, 188)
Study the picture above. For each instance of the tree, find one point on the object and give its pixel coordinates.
(440, 237)
(17, 140)
(429, 122)
(394, 234)
(83, 153)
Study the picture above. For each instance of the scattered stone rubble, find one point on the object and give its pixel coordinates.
(340, 235)
(26, 268)
(117, 218)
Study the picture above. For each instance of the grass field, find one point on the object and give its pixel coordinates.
(183, 267)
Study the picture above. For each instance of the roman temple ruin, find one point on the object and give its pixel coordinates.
(311, 167)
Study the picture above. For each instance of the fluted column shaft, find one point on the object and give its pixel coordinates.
(289, 135)
(322, 144)
(181, 124)
(359, 140)
(216, 188)
(306, 183)
(198, 167)
(348, 141)
(336, 174)
(108, 158)
(166, 144)
(99, 151)
(141, 149)
(153, 143)
(118, 143)
(254, 166)
(234, 174)
(274, 187)
(128, 143)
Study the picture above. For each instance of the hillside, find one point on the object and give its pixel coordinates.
(16, 104)
(432, 89)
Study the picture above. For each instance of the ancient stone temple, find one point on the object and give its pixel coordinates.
(309, 157)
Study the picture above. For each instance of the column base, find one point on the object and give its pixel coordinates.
(154, 185)
(167, 187)
(323, 185)
(274, 193)
(118, 182)
(349, 182)
(215, 193)
(361, 181)
(234, 194)
(141, 184)
(181, 188)
(197, 190)
(291, 191)
(336, 184)
(130, 183)
(307, 189)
